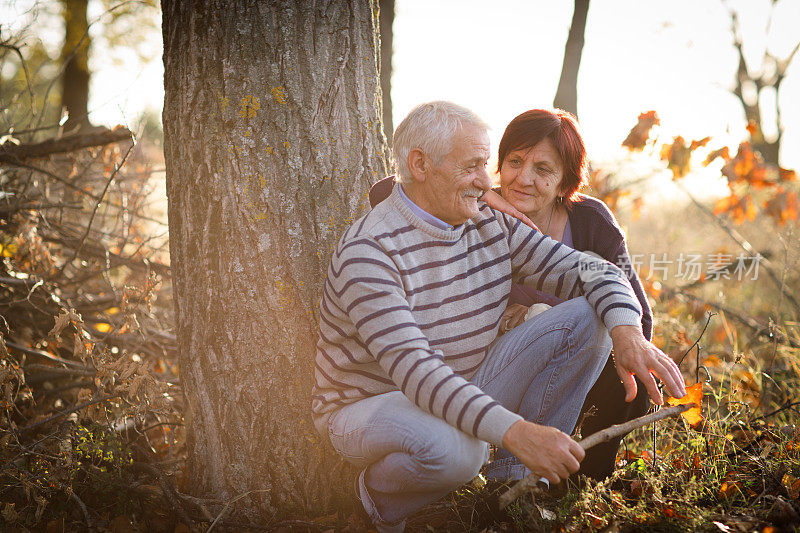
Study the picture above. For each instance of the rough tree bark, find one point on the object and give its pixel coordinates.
(272, 139)
(75, 58)
(567, 94)
(387, 21)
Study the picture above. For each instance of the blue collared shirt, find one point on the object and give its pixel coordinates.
(421, 213)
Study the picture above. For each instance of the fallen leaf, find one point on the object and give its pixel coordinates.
(9, 513)
(728, 489)
(792, 485)
(63, 320)
(722, 527)
(782, 512)
(694, 394)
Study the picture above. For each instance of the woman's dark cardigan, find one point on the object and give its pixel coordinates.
(594, 229)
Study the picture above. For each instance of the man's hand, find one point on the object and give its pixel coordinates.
(547, 451)
(635, 355)
(495, 201)
(513, 316)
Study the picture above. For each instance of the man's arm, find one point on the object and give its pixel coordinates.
(364, 291)
(551, 266)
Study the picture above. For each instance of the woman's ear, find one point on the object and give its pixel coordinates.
(418, 164)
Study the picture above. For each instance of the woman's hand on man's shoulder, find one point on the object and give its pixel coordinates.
(495, 201)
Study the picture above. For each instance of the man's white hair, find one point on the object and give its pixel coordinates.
(430, 127)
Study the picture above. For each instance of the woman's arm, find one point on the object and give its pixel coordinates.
(595, 229)
(538, 261)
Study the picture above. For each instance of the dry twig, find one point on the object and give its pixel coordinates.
(593, 440)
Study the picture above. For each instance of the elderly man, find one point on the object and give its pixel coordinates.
(411, 379)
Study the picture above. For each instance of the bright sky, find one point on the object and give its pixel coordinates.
(503, 57)
(638, 56)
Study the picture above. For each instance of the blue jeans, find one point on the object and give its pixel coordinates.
(542, 369)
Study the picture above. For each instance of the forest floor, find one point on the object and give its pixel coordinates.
(92, 435)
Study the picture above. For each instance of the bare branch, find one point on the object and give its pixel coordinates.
(27, 75)
(68, 143)
(743, 243)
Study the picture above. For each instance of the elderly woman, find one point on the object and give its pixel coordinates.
(542, 164)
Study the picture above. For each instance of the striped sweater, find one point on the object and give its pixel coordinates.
(407, 306)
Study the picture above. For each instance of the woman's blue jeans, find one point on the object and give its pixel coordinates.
(542, 369)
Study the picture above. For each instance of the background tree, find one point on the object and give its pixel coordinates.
(41, 77)
(387, 21)
(75, 61)
(567, 93)
(272, 139)
(750, 84)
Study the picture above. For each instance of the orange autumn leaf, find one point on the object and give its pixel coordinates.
(792, 485)
(783, 207)
(697, 144)
(678, 157)
(728, 489)
(749, 167)
(739, 209)
(103, 327)
(694, 394)
(637, 137)
(786, 174)
(723, 152)
(638, 204)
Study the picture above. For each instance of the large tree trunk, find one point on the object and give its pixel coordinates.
(271, 130)
(75, 58)
(387, 37)
(567, 93)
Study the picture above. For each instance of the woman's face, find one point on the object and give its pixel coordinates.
(531, 178)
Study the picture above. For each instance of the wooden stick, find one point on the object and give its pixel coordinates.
(593, 440)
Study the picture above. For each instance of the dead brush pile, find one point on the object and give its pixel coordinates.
(91, 425)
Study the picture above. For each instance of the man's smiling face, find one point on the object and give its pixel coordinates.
(453, 185)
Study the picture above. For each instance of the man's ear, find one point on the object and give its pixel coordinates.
(418, 164)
